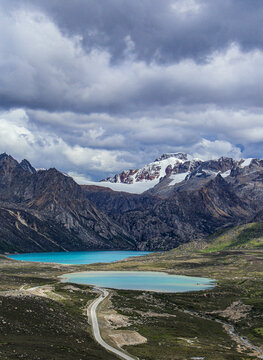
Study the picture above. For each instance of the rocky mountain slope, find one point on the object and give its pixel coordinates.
(169, 165)
(172, 167)
(185, 199)
(166, 164)
(47, 211)
(247, 236)
(192, 200)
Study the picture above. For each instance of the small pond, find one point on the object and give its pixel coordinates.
(140, 280)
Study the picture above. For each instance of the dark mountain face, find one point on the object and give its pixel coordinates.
(193, 200)
(189, 213)
(48, 211)
(248, 183)
(27, 166)
(113, 202)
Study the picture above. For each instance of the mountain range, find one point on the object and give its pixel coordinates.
(173, 200)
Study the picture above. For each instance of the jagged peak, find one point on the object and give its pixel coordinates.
(181, 166)
(179, 156)
(56, 174)
(25, 164)
(53, 170)
(7, 161)
(6, 156)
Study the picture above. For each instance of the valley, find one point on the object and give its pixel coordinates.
(186, 199)
(176, 326)
(131, 180)
(205, 218)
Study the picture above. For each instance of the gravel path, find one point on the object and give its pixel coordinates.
(96, 330)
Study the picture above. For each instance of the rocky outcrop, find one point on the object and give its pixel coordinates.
(193, 200)
(190, 199)
(187, 214)
(56, 213)
(162, 166)
(172, 164)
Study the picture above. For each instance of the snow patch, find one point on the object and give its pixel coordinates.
(41, 169)
(177, 178)
(246, 162)
(135, 188)
(226, 173)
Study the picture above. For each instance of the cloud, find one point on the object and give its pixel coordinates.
(19, 136)
(186, 6)
(167, 30)
(95, 88)
(41, 68)
(81, 179)
(48, 150)
(101, 160)
(206, 150)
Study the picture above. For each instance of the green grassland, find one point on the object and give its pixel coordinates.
(177, 326)
(238, 269)
(239, 275)
(248, 236)
(35, 327)
(181, 336)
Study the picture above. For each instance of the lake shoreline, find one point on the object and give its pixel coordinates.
(158, 281)
(79, 257)
(165, 318)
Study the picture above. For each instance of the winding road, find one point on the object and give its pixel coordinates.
(96, 330)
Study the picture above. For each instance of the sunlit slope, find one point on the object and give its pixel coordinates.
(248, 236)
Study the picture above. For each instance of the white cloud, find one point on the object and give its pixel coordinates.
(207, 149)
(142, 138)
(81, 179)
(129, 51)
(184, 7)
(45, 149)
(101, 116)
(41, 67)
(95, 159)
(13, 132)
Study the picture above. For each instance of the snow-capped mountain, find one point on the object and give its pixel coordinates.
(139, 180)
(178, 197)
(165, 165)
(175, 167)
(170, 201)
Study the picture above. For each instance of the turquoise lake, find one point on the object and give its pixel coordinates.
(140, 280)
(78, 257)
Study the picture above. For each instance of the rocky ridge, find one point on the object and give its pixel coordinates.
(47, 211)
(191, 201)
(165, 165)
(173, 164)
(187, 199)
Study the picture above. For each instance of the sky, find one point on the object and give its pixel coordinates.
(95, 87)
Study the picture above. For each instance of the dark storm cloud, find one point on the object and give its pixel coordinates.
(162, 30)
(120, 57)
(105, 85)
(166, 30)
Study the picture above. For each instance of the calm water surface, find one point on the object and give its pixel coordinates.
(140, 280)
(78, 257)
(127, 280)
